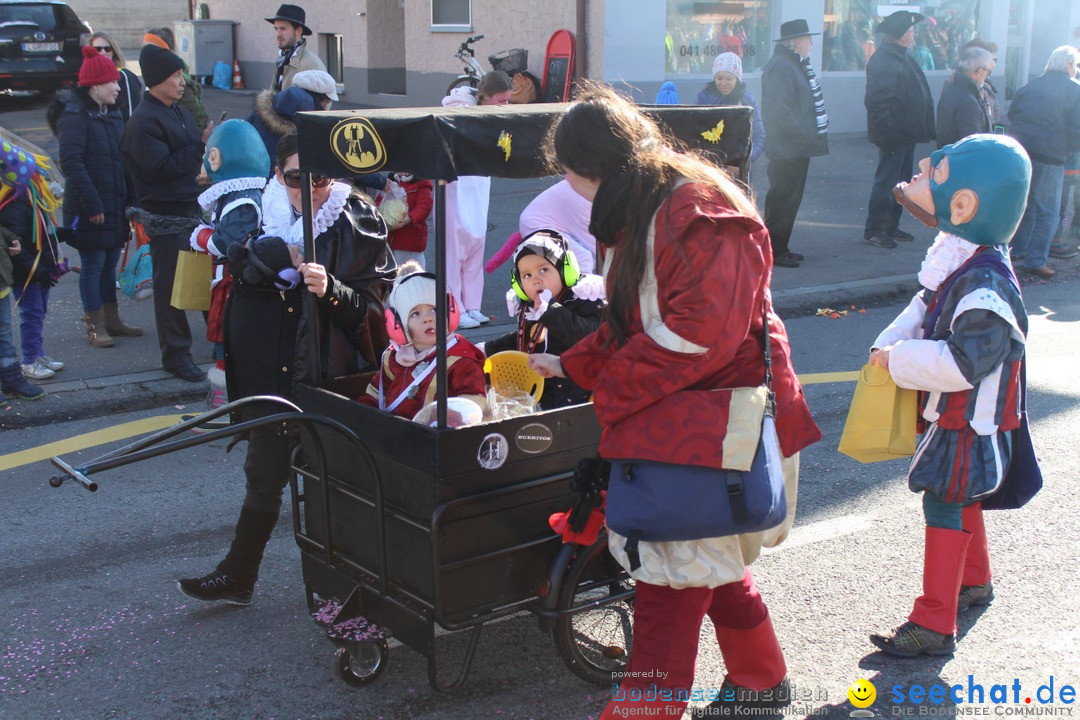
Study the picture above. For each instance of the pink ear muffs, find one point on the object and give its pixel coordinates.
(396, 329)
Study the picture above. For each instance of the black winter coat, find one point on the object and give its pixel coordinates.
(787, 109)
(162, 149)
(1045, 117)
(19, 217)
(899, 106)
(131, 93)
(94, 171)
(266, 345)
(960, 111)
(567, 323)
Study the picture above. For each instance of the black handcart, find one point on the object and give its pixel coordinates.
(404, 529)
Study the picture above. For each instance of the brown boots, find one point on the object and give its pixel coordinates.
(105, 322)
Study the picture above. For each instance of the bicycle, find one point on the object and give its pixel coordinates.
(509, 61)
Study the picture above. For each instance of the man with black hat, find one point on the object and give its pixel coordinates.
(899, 114)
(796, 129)
(293, 53)
(163, 150)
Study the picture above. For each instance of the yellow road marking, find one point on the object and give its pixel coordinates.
(127, 430)
(123, 431)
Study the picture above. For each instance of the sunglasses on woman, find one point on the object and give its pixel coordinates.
(102, 48)
(292, 179)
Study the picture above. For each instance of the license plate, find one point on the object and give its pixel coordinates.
(41, 47)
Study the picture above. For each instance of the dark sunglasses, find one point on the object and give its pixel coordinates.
(102, 48)
(292, 179)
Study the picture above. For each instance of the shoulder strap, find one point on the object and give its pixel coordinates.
(988, 258)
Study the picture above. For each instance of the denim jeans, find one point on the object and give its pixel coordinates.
(883, 212)
(97, 279)
(1070, 195)
(8, 353)
(1040, 221)
(33, 306)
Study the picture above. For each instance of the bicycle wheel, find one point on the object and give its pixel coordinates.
(462, 81)
(595, 643)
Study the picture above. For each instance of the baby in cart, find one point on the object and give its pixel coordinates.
(406, 383)
(555, 306)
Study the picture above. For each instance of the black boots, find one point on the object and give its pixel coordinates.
(234, 579)
(13, 383)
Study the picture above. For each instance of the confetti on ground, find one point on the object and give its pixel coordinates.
(831, 313)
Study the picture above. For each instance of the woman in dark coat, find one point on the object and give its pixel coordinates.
(89, 130)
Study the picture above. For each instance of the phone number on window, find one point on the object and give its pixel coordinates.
(711, 50)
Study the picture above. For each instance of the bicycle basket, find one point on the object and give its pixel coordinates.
(510, 61)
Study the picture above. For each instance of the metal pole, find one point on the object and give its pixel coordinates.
(440, 302)
(311, 307)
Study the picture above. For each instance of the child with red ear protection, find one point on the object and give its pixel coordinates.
(555, 306)
(406, 379)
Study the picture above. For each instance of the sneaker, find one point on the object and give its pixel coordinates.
(467, 322)
(216, 586)
(898, 234)
(912, 640)
(1061, 251)
(881, 241)
(477, 316)
(972, 595)
(37, 370)
(54, 365)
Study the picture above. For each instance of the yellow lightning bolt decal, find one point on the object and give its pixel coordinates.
(715, 134)
(504, 143)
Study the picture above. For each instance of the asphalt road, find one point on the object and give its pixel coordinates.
(94, 628)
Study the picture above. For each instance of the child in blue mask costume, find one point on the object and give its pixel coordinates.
(961, 342)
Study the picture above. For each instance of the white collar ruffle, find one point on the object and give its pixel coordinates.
(280, 221)
(946, 254)
(215, 191)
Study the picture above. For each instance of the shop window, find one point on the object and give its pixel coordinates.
(699, 31)
(849, 41)
(333, 51)
(451, 14)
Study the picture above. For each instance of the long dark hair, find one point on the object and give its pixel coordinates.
(604, 137)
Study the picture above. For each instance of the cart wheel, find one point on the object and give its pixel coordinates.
(595, 643)
(366, 666)
(461, 82)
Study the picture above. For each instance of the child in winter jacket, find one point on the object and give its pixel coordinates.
(408, 239)
(406, 380)
(555, 306)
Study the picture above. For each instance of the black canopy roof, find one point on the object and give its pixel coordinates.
(443, 143)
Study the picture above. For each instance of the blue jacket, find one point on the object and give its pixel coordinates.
(709, 95)
(1045, 117)
(94, 172)
(273, 115)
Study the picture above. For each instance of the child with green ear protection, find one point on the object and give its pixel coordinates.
(555, 305)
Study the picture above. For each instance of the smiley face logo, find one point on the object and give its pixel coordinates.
(862, 693)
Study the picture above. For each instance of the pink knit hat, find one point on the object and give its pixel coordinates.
(728, 62)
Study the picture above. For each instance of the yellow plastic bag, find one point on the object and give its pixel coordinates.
(191, 284)
(882, 418)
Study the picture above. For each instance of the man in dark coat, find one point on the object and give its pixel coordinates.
(163, 150)
(960, 111)
(796, 129)
(899, 114)
(1045, 118)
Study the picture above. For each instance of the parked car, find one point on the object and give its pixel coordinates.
(40, 43)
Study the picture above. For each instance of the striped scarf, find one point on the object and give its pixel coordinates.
(819, 99)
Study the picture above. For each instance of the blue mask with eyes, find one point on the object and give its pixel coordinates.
(998, 171)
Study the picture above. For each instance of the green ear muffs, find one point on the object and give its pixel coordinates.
(554, 248)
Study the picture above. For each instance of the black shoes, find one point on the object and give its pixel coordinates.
(881, 240)
(974, 595)
(912, 640)
(898, 234)
(217, 586)
(788, 260)
(189, 372)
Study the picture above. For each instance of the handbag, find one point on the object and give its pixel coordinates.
(191, 284)
(882, 419)
(136, 269)
(1024, 478)
(655, 501)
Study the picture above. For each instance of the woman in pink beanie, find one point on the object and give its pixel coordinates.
(96, 193)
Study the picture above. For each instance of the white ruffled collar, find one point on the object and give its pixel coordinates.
(327, 215)
(943, 258)
(280, 219)
(215, 191)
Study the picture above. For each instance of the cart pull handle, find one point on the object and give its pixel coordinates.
(70, 473)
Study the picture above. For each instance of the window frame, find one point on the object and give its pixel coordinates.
(450, 27)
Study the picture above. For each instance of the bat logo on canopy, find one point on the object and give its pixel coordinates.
(357, 145)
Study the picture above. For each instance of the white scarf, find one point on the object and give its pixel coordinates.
(279, 220)
(943, 258)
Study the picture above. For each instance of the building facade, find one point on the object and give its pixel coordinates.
(395, 53)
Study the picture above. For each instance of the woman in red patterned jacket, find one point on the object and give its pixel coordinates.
(688, 247)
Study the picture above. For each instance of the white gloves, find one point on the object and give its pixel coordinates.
(534, 313)
(590, 287)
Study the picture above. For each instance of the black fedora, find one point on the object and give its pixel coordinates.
(899, 23)
(793, 29)
(291, 13)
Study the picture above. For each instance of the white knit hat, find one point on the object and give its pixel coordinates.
(412, 287)
(316, 81)
(727, 62)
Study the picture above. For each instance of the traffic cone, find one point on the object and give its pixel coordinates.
(237, 81)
